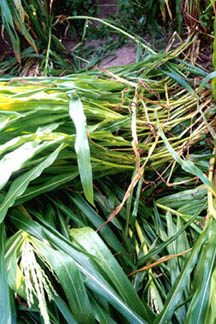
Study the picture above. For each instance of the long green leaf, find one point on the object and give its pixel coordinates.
(163, 245)
(93, 244)
(103, 313)
(210, 76)
(210, 314)
(214, 61)
(21, 155)
(6, 12)
(63, 308)
(177, 289)
(49, 184)
(70, 280)
(5, 308)
(199, 304)
(19, 186)
(82, 146)
(96, 221)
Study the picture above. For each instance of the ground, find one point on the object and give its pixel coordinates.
(124, 55)
(121, 56)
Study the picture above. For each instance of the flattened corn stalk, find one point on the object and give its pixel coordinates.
(27, 105)
(136, 118)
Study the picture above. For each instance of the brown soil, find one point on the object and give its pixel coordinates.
(107, 7)
(5, 46)
(122, 56)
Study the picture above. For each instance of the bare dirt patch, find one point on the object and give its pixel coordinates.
(121, 56)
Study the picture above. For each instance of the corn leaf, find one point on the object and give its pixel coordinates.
(95, 280)
(21, 155)
(19, 185)
(71, 281)
(200, 301)
(82, 146)
(64, 309)
(177, 289)
(5, 313)
(93, 244)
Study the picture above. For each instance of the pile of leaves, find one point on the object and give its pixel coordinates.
(107, 195)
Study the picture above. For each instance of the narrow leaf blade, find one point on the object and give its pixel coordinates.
(82, 146)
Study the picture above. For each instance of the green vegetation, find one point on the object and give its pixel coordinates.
(107, 185)
(37, 30)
